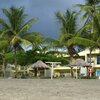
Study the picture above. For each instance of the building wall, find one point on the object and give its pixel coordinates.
(86, 56)
(93, 60)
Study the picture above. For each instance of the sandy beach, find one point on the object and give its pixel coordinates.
(46, 89)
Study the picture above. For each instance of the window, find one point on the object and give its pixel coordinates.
(98, 59)
(90, 60)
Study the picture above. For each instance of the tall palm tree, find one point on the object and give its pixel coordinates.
(15, 27)
(92, 10)
(3, 49)
(70, 36)
(68, 28)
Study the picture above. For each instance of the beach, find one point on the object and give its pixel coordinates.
(46, 89)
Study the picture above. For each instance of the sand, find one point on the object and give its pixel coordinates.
(46, 89)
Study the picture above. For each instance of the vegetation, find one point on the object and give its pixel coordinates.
(15, 36)
(91, 15)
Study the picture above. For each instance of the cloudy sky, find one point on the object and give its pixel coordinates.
(43, 10)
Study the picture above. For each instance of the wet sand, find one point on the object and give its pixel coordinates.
(46, 89)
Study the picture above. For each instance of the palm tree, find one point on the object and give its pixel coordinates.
(92, 10)
(15, 27)
(68, 28)
(3, 49)
(70, 36)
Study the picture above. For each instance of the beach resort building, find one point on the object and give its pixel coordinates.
(95, 62)
(95, 57)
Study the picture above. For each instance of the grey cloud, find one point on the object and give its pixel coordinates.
(44, 10)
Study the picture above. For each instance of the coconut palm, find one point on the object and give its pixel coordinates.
(70, 36)
(15, 27)
(68, 28)
(3, 49)
(91, 11)
(91, 15)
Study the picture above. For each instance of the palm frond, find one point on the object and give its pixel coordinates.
(3, 44)
(15, 40)
(84, 7)
(25, 42)
(85, 16)
(15, 13)
(96, 19)
(30, 21)
(67, 21)
(92, 2)
(64, 37)
(34, 37)
(60, 17)
(4, 24)
(81, 41)
(23, 29)
(79, 32)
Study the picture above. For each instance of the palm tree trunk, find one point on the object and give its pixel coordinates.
(15, 62)
(4, 64)
(72, 72)
(71, 58)
(35, 72)
(90, 55)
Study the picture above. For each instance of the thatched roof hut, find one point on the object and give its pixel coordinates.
(40, 64)
(79, 62)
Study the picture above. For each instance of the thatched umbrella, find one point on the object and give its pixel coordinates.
(39, 65)
(78, 63)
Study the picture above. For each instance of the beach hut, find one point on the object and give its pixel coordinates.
(39, 65)
(78, 63)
